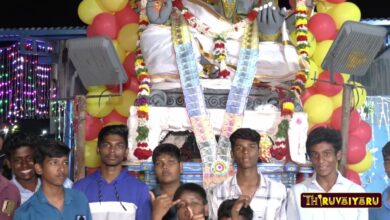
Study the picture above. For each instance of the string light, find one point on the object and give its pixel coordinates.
(24, 83)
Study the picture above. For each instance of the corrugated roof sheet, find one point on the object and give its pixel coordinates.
(44, 32)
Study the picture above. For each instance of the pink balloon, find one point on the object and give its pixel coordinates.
(92, 127)
(104, 24)
(335, 1)
(356, 150)
(114, 117)
(363, 131)
(353, 176)
(325, 87)
(125, 16)
(354, 119)
(322, 26)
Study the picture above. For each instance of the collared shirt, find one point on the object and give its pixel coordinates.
(294, 211)
(267, 202)
(9, 199)
(38, 207)
(382, 213)
(125, 197)
(25, 194)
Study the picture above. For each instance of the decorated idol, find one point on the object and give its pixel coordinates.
(217, 34)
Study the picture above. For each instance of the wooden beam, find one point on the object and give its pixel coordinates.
(346, 113)
(80, 116)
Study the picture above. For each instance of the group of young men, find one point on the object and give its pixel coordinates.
(40, 169)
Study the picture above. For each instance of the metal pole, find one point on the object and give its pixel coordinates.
(346, 112)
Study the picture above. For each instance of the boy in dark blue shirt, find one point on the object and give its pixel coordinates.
(52, 200)
(111, 191)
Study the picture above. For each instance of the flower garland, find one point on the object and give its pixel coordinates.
(301, 20)
(279, 150)
(142, 151)
(219, 39)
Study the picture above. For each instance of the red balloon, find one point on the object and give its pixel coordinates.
(128, 64)
(92, 127)
(335, 1)
(363, 131)
(125, 16)
(104, 24)
(131, 84)
(90, 31)
(325, 87)
(322, 26)
(356, 150)
(114, 117)
(353, 176)
(354, 119)
(307, 93)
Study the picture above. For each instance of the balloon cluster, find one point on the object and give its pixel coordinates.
(322, 100)
(116, 20)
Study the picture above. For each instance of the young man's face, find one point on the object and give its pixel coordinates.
(112, 150)
(191, 205)
(53, 170)
(324, 159)
(245, 153)
(386, 161)
(167, 169)
(22, 163)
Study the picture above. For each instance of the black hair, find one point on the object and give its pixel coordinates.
(18, 140)
(246, 134)
(120, 130)
(191, 187)
(50, 148)
(386, 150)
(168, 149)
(324, 134)
(225, 210)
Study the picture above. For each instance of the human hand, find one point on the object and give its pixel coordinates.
(242, 201)
(270, 19)
(161, 205)
(158, 11)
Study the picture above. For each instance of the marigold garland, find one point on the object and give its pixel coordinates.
(219, 38)
(301, 20)
(142, 151)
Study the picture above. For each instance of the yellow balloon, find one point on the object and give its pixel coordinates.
(88, 9)
(128, 36)
(119, 51)
(319, 108)
(321, 51)
(345, 76)
(113, 5)
(310, 38)
(91, 158)
(345, 11)
(363, 165)
(337, 100)
(99, 106)
(313, 73)
(324, 6)
(96, 88)
(124, 102)
(359, 95)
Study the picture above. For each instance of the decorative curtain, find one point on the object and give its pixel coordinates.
(375, 179)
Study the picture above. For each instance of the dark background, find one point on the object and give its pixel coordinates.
(63, 13)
